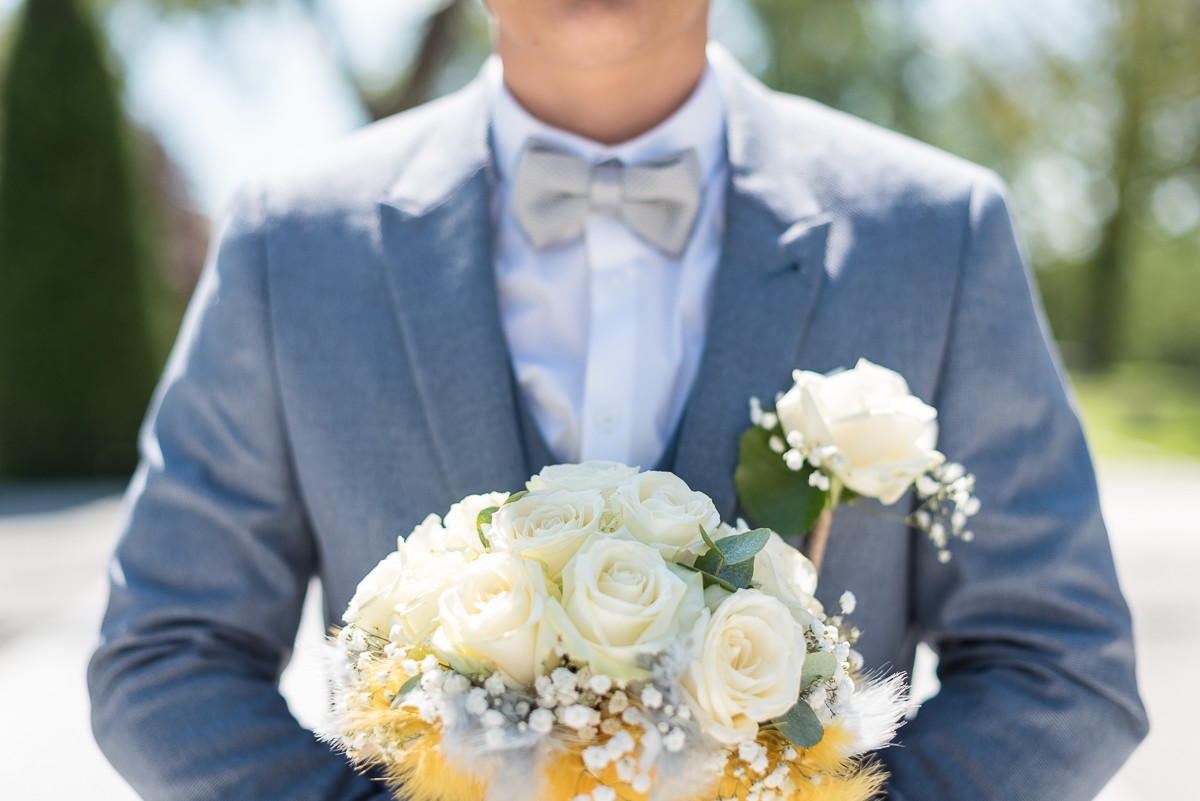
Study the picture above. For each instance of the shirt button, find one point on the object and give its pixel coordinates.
(606, 419)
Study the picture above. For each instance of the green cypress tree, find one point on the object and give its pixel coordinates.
(76, 363)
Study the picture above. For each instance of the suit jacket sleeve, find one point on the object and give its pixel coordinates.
(1038, 698)
(209, 575)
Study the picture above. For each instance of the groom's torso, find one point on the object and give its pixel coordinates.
(841, 241)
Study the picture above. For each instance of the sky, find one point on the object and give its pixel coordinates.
(241, 93)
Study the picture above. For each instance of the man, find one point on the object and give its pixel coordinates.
(408, 320)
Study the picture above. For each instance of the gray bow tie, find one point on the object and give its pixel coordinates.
(554, 191)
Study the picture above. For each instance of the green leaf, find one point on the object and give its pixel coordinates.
(731, 559)
(516, 496)
(484, 519)
(709, 578)
(772, 494)
(818, 666)
(737, 577)
(407, 687)
(743, 547)
(800, 726)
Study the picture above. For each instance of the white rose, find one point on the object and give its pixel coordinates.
(622, 604)
(462, 521)
(548, 525)
(371, 607)
(662, 511)
(593, 475)
(495, 617)
(785, 573)
(876, 437)
(749, 659)
(398, 599)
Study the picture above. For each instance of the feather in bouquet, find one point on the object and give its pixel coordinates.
(604, 636)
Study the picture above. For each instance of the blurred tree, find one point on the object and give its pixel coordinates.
(455, 30)
(76, 366)
(1155, 64)
(1093, 115)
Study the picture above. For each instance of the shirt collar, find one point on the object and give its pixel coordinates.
(698, 124)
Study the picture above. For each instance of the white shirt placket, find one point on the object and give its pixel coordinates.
(608, 397)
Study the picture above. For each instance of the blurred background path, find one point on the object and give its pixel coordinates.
(55, 541)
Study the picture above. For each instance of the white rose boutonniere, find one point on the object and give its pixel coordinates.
(873, 434)
(851, 434)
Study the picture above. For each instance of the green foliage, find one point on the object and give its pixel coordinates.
(1141, 411)
(818, 666)
(800, 726)
(413, 683)
(485, 516)
(1094, 125)
(76, 366)
(729, 562)
(771, 493)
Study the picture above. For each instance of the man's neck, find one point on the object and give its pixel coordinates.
(609, 104)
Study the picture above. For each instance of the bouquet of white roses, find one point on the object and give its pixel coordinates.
(601, 636)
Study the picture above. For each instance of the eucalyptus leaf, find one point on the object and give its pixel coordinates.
(516, 496)
(800, 726)
(818, 666)
(407, 687)
(743, 547)
(709, 579)
(712, 563)
(772, 494)
(485, 519)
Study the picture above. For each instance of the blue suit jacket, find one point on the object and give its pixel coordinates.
(342, 372)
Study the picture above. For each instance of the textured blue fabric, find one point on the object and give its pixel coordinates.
(342, 372)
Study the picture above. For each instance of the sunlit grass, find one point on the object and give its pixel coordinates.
(1141, 410)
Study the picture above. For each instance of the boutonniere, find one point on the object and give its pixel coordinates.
(834, 439)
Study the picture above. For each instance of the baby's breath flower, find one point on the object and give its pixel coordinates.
(541, 721)
(848, 603)
(603, 793)
(477, 701)
(756, 411)
(596, 758)
(494, 684)
(563, 678)
(599, 684)
(578, 716)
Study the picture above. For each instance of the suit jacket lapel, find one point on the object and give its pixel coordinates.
(436, 235)
(771, 272)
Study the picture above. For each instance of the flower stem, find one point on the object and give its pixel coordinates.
(817, 538)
